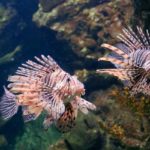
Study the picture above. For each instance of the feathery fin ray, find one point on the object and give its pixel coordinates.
(8, 105)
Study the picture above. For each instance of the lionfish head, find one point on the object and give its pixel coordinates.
(77, 87)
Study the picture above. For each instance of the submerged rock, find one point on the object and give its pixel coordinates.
(114, 126)
(7, 14)
(3, 141)
(10, 56)
(48, 5)
(85, 136)
(10, 28)
(120, 118)
(142, 12)
(86, 24)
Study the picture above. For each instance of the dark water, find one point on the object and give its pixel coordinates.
(34, 41)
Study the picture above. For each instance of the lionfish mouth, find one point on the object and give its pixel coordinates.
(82, 92)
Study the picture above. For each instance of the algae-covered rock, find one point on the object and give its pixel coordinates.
(3, 141)
(142, 12)
(10, 27)
(85, 135)
(35, 137)
(7, 13)
(113, 126)
(48, 5)
(10, 56)
(86, 24)
(120, 120)
(94, 81)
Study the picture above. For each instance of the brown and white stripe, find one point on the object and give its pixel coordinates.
(132, 59)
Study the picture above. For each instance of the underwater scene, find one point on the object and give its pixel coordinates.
(75, 75)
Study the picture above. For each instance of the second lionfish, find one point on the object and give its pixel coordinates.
(44, 86)
(131, 58)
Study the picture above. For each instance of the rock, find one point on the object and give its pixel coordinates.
(9, 22)
(89, 138)
(120, 118)
(113, 126)
(7, 14)
(10, 56)
(86, 24)
(3, 141)
(48, 5)
(94, 81)
(119, 122)
(142, 13)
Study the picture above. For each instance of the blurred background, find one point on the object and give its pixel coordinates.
(71, 31)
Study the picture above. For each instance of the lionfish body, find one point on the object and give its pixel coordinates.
(40, 86)
(132, 60)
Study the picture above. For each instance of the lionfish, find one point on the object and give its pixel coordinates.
(43, 86)
(131, 58)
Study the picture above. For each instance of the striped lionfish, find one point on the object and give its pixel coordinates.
(132, 60)
(44, 86)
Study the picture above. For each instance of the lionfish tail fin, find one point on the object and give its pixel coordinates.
(83, 105)
(8, 105)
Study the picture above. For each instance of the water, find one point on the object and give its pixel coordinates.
(73, 36)
(34, 42)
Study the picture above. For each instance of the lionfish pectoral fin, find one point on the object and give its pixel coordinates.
(57, 106)
(123, 47)
(146, 65)
(67, 120)
(8, 105)
(116, 61)
(48, 121)
(87, 106)
(116, 50)
(142, 86)
(58, 109)
(120, 73)
(84, 110)
(84, 105)
(66, 127)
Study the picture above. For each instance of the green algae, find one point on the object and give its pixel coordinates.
(6, 14)
(86, 24)
(35, 137)
(3, 141)
(9, 57)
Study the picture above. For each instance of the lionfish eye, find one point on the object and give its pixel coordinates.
(148, 80)
(68, 79)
